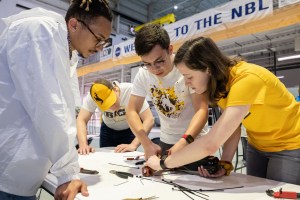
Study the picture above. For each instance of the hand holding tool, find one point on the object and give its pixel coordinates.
(147, 171)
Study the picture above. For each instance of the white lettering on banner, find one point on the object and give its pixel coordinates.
(282, 3)
(228, 15)
(125, 49)
(233, 13)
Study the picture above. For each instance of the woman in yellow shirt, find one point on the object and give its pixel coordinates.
(250, 95)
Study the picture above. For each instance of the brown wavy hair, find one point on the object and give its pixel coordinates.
(203, 54)
(149, 36)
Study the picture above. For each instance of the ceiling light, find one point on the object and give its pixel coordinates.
(289, 57)
(175, 7)
(280, 77)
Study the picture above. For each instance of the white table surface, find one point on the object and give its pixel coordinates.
(105, 185)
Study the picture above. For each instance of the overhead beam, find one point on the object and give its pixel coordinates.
(283, 17)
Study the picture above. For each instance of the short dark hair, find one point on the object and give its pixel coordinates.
(85, 11)
(203, 54)
(104, 82)
(149, 36)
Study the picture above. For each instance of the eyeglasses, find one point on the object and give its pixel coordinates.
(101, 42)
(156, 64)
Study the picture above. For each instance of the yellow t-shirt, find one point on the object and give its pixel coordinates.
(273, 123)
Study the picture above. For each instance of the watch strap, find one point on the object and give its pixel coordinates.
(162, 163)
(189, 139)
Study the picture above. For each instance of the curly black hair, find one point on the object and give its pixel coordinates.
(87, 10)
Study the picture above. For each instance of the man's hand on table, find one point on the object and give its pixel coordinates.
(85, 150)
(69, 190)
(121, 148)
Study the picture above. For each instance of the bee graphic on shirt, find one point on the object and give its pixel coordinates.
(166, 100)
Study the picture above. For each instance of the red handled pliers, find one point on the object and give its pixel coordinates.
(283, 194)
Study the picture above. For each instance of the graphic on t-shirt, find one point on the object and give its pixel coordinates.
(166, 101)
(118, 115)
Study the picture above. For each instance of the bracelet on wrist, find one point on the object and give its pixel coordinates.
(188, 138)
(162, 163)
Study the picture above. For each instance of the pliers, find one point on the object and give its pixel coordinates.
(283, 194)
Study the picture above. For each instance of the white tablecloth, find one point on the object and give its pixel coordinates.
(110, 187)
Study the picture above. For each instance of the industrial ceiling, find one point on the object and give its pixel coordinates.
(261, 48)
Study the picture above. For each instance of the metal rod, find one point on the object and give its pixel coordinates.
(124, 166)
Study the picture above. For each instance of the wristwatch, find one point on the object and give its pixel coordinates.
(189, 139)
(162, 163)
(227, 166)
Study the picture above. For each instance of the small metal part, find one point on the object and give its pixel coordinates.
(124, 166)
(270, 193)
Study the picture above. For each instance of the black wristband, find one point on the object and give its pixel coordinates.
(162, 164)
(189, 139)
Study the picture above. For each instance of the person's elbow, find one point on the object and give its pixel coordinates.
(147, 118)
(212, 149)
(151, 121)
(210, 146)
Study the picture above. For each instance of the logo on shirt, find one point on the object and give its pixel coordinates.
(117, 115)
(166, 101)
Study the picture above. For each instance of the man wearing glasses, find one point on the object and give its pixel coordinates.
(179, 108)
(37, 111)
(101, 43)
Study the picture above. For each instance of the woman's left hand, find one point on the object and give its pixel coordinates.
(204, 173)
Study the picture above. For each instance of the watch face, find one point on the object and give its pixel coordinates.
(189, 139)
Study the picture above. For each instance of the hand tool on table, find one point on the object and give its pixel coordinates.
(140, 162)
(283, 194)
(134, 158)
(87, 171)
(121, 174)
(124, 166)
